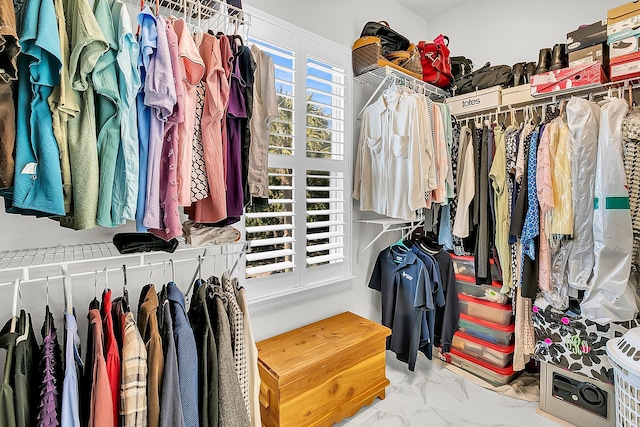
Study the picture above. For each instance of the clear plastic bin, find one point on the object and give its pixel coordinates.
(495, 355)
(485, 310)
(491, 374)
(464, 265)
(486, 331)
(467, 285)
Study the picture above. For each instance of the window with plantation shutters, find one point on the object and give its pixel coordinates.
(301, 237)
(271, 231)
(325, 218)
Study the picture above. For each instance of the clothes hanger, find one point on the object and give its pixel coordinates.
(14, 310)
(125, 292)
(67, 286)
(47, 312)
(173, 271)
(400, 244)
(94, 302)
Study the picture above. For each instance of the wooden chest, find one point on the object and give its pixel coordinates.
(319, 374)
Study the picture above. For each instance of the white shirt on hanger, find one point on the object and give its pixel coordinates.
(388, 176)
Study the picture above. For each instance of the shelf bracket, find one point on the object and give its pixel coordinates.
(411, 226)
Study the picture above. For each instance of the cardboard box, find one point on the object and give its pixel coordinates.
(633, 31)
(599, 53)
(517, 95)
(625, 58)
(590, 35)
(624, 47)
(568, 78)
(626, 67)
(623, 18)
(475, 101)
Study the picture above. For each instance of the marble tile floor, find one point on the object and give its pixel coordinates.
(433, 396)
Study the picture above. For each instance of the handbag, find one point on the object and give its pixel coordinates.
(460, 66)
(390, 40)
(484, 78)
(366, 55)
(436, 62)
(408, 59)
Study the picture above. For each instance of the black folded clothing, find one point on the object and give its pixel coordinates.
(131, 243)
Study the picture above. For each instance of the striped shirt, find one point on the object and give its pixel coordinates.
(133, 390)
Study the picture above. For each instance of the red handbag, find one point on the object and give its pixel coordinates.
(436, 61)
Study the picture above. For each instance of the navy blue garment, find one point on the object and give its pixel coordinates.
(403, 281)
(187, 355)
(447, 317)
(429, 321)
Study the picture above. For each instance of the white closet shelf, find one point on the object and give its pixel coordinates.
(36, 264)
(618, 88)
(214, 15)
(389, 224)
(381, 75)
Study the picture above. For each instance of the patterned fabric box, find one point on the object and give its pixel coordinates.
(574, 343)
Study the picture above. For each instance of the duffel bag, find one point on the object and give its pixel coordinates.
(484, 78)
(390, 40)
(436, 62)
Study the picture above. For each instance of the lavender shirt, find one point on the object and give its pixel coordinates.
(160, 95)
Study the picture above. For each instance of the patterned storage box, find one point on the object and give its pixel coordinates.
(574, 343)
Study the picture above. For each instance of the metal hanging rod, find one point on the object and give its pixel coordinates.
(215, 15)
(126, 268)
(388, 75)
(618, 89)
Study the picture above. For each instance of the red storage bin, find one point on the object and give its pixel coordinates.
(496, 355)
(485, 310)
(491, 374)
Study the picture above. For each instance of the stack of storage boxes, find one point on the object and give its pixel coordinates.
(483, 343)
(623, 37)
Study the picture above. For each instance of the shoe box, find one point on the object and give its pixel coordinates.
(567, 78)
(599, 53)
(572, 397)
(625, 67)
(625, 59)
(624, 47)
(623, 21)
(587, 36)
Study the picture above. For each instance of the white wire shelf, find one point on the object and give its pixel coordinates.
(214, 15)
(388, 74)
(618, 89)
(37, 264)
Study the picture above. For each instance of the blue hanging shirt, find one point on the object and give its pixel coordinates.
(38, 178)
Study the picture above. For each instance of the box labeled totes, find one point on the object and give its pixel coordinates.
(475, 101)
(586, 36)
(599, 53)
(568, 78)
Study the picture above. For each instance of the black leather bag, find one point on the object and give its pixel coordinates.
(484, 78)
(460, 66)
(391, 40)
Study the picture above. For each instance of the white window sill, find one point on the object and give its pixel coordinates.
(272, 301)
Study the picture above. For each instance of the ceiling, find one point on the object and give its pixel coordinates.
(429, 9)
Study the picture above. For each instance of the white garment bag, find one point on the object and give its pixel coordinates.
(582, 119)
(610, 296)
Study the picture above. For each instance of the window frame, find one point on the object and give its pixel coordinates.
(307, 45)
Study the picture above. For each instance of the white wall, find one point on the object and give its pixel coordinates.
(510, 31)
